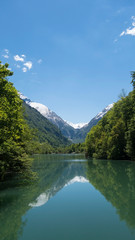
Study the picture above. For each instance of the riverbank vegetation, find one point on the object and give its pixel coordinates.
(14, 132)
(114, 136)
(72, 148)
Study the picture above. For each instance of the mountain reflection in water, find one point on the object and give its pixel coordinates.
(115, 180)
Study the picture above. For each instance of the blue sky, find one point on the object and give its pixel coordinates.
(74, 56)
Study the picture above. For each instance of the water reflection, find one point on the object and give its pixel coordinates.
(57, 173)
(54, 172)
(116, 181)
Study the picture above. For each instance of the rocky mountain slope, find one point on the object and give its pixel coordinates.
(74, 132)
(47, 132)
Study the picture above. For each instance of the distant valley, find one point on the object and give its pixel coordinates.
(76, 133)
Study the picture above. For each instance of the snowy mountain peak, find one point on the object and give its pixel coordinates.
(41, 108)
(76, 125)
(45, 111)
(24, 98)
(38, 106)
(74, 132)
(105, 110)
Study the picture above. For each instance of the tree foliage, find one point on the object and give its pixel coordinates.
(114, 136)
(14, 132)
(73, 148)
(133, 78)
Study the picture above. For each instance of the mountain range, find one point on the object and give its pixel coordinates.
(74, 132)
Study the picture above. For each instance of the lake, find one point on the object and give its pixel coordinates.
(72, 199)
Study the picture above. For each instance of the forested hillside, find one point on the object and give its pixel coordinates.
(80, 134)
(114, 136)
(44, 130)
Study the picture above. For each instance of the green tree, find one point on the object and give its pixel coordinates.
(14, 132)
(114, 135)
(133, 78)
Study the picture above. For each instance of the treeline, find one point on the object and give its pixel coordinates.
(35, 147)
(14, 132)
(73, 148)
(114, 136)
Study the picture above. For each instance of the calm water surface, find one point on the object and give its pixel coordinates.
(72, 199)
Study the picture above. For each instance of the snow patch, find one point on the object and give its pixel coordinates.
(54, 118)
(44, 110)
(76, 125)
(22, 96)
(101, 114)
(41, 108)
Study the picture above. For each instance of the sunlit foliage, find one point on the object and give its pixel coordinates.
(114, 136)
(14, 132)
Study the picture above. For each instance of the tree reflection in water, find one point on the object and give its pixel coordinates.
(116, 181)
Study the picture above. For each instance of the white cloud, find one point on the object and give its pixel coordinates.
(39, 61)
(23, 55)
(18, 58)
(5, 56)
(130, 30)
(123, 33)
(6, 51)
(24, 69)
(28, 64)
